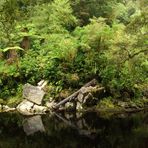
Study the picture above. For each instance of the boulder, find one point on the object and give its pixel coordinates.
(50, 104)
(70, 106)
(79, 106)
(28, 108)
(80, 97)
(33, 93)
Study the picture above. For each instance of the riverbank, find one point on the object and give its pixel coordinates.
(109, 107)
(104, 107)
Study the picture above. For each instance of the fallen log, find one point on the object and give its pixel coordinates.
(75, 94)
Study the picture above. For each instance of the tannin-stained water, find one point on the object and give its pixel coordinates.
(75, 130)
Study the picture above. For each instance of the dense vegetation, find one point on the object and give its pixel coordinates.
(71, 42)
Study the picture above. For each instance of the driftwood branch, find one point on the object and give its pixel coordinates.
(74, 95)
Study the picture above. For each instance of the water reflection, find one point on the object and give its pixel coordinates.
(33, 124)
(76, 130)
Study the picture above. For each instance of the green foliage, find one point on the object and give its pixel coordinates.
(72, 42)
(12, 48)
(106, 103)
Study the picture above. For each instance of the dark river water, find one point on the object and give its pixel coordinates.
(62, 130)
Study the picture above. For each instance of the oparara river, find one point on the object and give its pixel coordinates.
(75, 130)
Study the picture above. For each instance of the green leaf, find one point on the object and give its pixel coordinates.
(12, 48)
